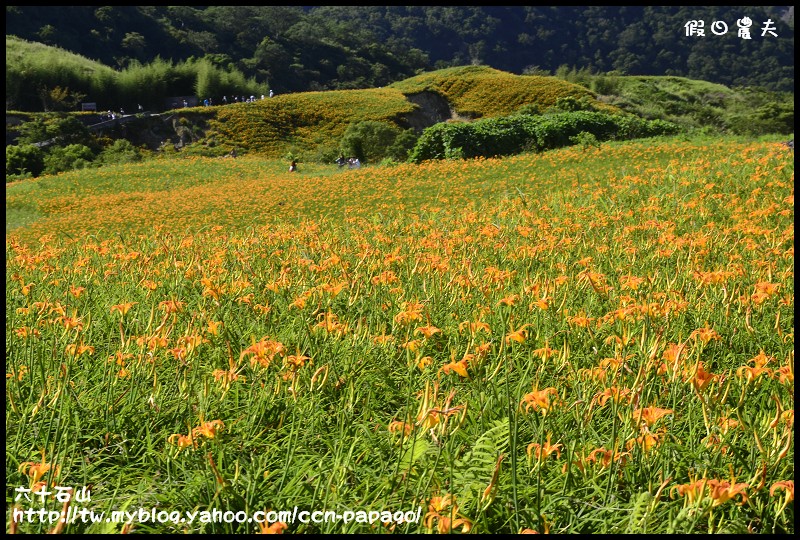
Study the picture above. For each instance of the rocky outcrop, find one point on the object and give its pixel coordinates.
(432, 108)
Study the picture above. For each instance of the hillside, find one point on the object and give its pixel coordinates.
(697, 104)
(479, 91)
(304, 48)
(312, 123)
(33, 69)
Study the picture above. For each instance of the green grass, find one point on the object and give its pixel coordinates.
(481, 91)
(698, 104)
(560, 286)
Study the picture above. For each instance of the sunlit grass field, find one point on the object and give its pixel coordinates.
(305, 121)
(313, 123)
(596, 341)
(484, 92)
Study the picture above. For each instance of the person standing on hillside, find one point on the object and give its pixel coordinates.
(270, 93)
(293, 166)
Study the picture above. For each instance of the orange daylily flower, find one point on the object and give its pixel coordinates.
(300, 301)
(646, 441)
(228, 376)
(483, 349)
(752, 373)
(37, 470)
(788, 487)
(672, 353)
(412, 311)
(443, 510)
(427, 331)
(542, 303)
(538, 399)
(764, 290)
(385, 278)
(262, 309)
(545, 352)
(182, 441)
(383, 339)
(275, 528)
(604, 457)
(722, 491)
(544, 450)
(580, 320)
(23, 370)
(519, 335)
(429, 415)
(613, 392)
(459, 367)
(76, 291)
(701, 378)
(296, 361)
(214, 290)
(329, 322)
(123, 308)
(785, 374)
(412, 345)
(264, 351)
(650, 415)
(208, 429)
(26, 331)
(509, 300)
(78, 349)
(152, 342)
(761, 360)
(631, 282)
(149, 285)
(191, 342)
(404, 427)
(706, 334)
(424, 362)
(213, 327)
(171, 306)
(474, 327)
(71, 322)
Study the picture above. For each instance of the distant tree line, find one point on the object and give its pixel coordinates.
(298, 48)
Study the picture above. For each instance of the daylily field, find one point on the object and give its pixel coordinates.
(589, 340)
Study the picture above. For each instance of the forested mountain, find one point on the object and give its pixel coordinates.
(298, 48)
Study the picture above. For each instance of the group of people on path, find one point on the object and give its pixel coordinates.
(238, 99)
(352, 163)
(341, 161)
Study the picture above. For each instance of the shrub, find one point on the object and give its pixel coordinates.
(402, 145)
(531, 109)
(72, 156)
(521, 132)
(24, 159)
(605, 84)
(62, 128)
(369, 140)
(430, 144)
(585, 140)
(122, 151)
(572, 104)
